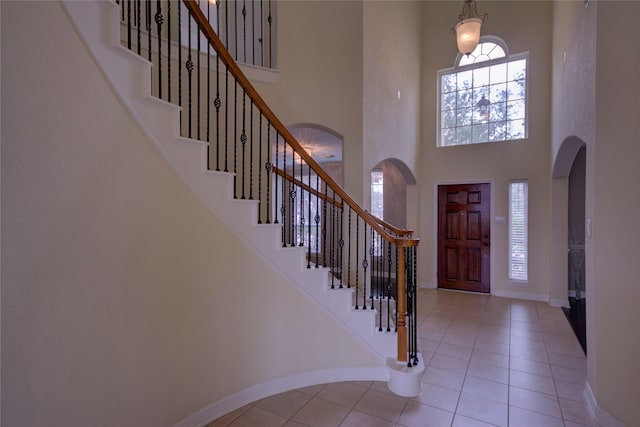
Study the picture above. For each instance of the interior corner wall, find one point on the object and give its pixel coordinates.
(320, 66)
(526, 26)
(124, 300)
(613, 374)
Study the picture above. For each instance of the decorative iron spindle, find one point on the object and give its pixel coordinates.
(159, 20)
(301, 207)
(268, 174)
(324, 228)
(251, 156)
(226, 119)
(316, 220)
(189, 67)
(341, 244)
(260, 172)
(235, 139)
(332, 240)
(244, 30)
(389, 285)
(148, 28)
(270, 20)
(168, 50)
(198, 101)
(349, 252)
(129, 24)
(243, 139)
(365, 264)
(357, 258)
(309, 219)
(138, 25)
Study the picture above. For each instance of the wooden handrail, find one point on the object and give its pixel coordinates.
(253, 94)
(306, 187)
(399, 231)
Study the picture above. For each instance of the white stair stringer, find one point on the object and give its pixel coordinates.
(129, 75)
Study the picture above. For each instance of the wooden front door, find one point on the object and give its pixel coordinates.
(464, 236)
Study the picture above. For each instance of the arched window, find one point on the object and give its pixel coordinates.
(483, 98)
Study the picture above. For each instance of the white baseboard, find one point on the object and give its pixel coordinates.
(280, 385)
(603, 417)
(520, 295)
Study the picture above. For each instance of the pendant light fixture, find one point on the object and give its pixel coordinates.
(468, 27)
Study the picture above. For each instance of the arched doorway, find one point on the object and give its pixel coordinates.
(570, 168)
(393, 193)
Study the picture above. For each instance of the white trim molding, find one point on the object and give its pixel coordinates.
(600, 415)
(280, 385)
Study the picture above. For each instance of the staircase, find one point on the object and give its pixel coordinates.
(130, 76)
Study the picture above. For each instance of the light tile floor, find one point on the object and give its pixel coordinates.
(490, 361)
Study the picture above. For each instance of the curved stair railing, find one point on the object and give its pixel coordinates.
(193, 69)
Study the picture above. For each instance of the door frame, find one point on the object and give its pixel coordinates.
(492, 237)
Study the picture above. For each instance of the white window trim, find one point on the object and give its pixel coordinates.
(513, 280)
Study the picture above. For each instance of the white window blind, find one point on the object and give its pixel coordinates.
(518, 220)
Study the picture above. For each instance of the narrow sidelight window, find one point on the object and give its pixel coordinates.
(518, 220)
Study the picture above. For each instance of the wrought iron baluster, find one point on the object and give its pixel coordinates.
(309, 218)
(292, 199)
(373, 266)
(341, 244)
(275, 183)
(226, 119)
(260, 172)
(349, 253)
(389, 285)
(251, 155)
(198, 68)
(129, 24)
(397, 288)
(324, 227)
(253, 33)
(365, 264)
(159, 20)
(235, 139)
(332, 241)
(357, 258)
(148, 27)
(138, 24)
(261, 39)
(283, 209)
(168, 50)
(243, 139)
(316, 219)
(189, 66)
(270, 20)
(244, 30)
(268, 175)
(301, 208)
(235, 28)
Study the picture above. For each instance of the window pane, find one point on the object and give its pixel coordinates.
(497, 131)
(465, 98)
(377, 198)
(517, 69)
(464, 116)
(515, 110)
(515, 89)
(480, 76)
(515, 129)
(518, 219)
(448, 118)
(463, 135)
(480, 133)
(448, 136)
(448, 83)
(498, 112)
(498, 93)
(498, 73)
(465, 80)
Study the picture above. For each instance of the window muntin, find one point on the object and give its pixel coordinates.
(484, 98)
(518, 226)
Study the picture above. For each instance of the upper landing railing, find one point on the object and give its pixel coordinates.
(193, 68)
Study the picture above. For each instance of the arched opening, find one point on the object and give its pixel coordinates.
(324, 145)
(576, 225)
(569, 174)
(393, 195)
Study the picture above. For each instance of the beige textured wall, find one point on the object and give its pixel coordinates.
(615, 232)
(320, 63)
(525, 26)
(119, 306)
(391, 124)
